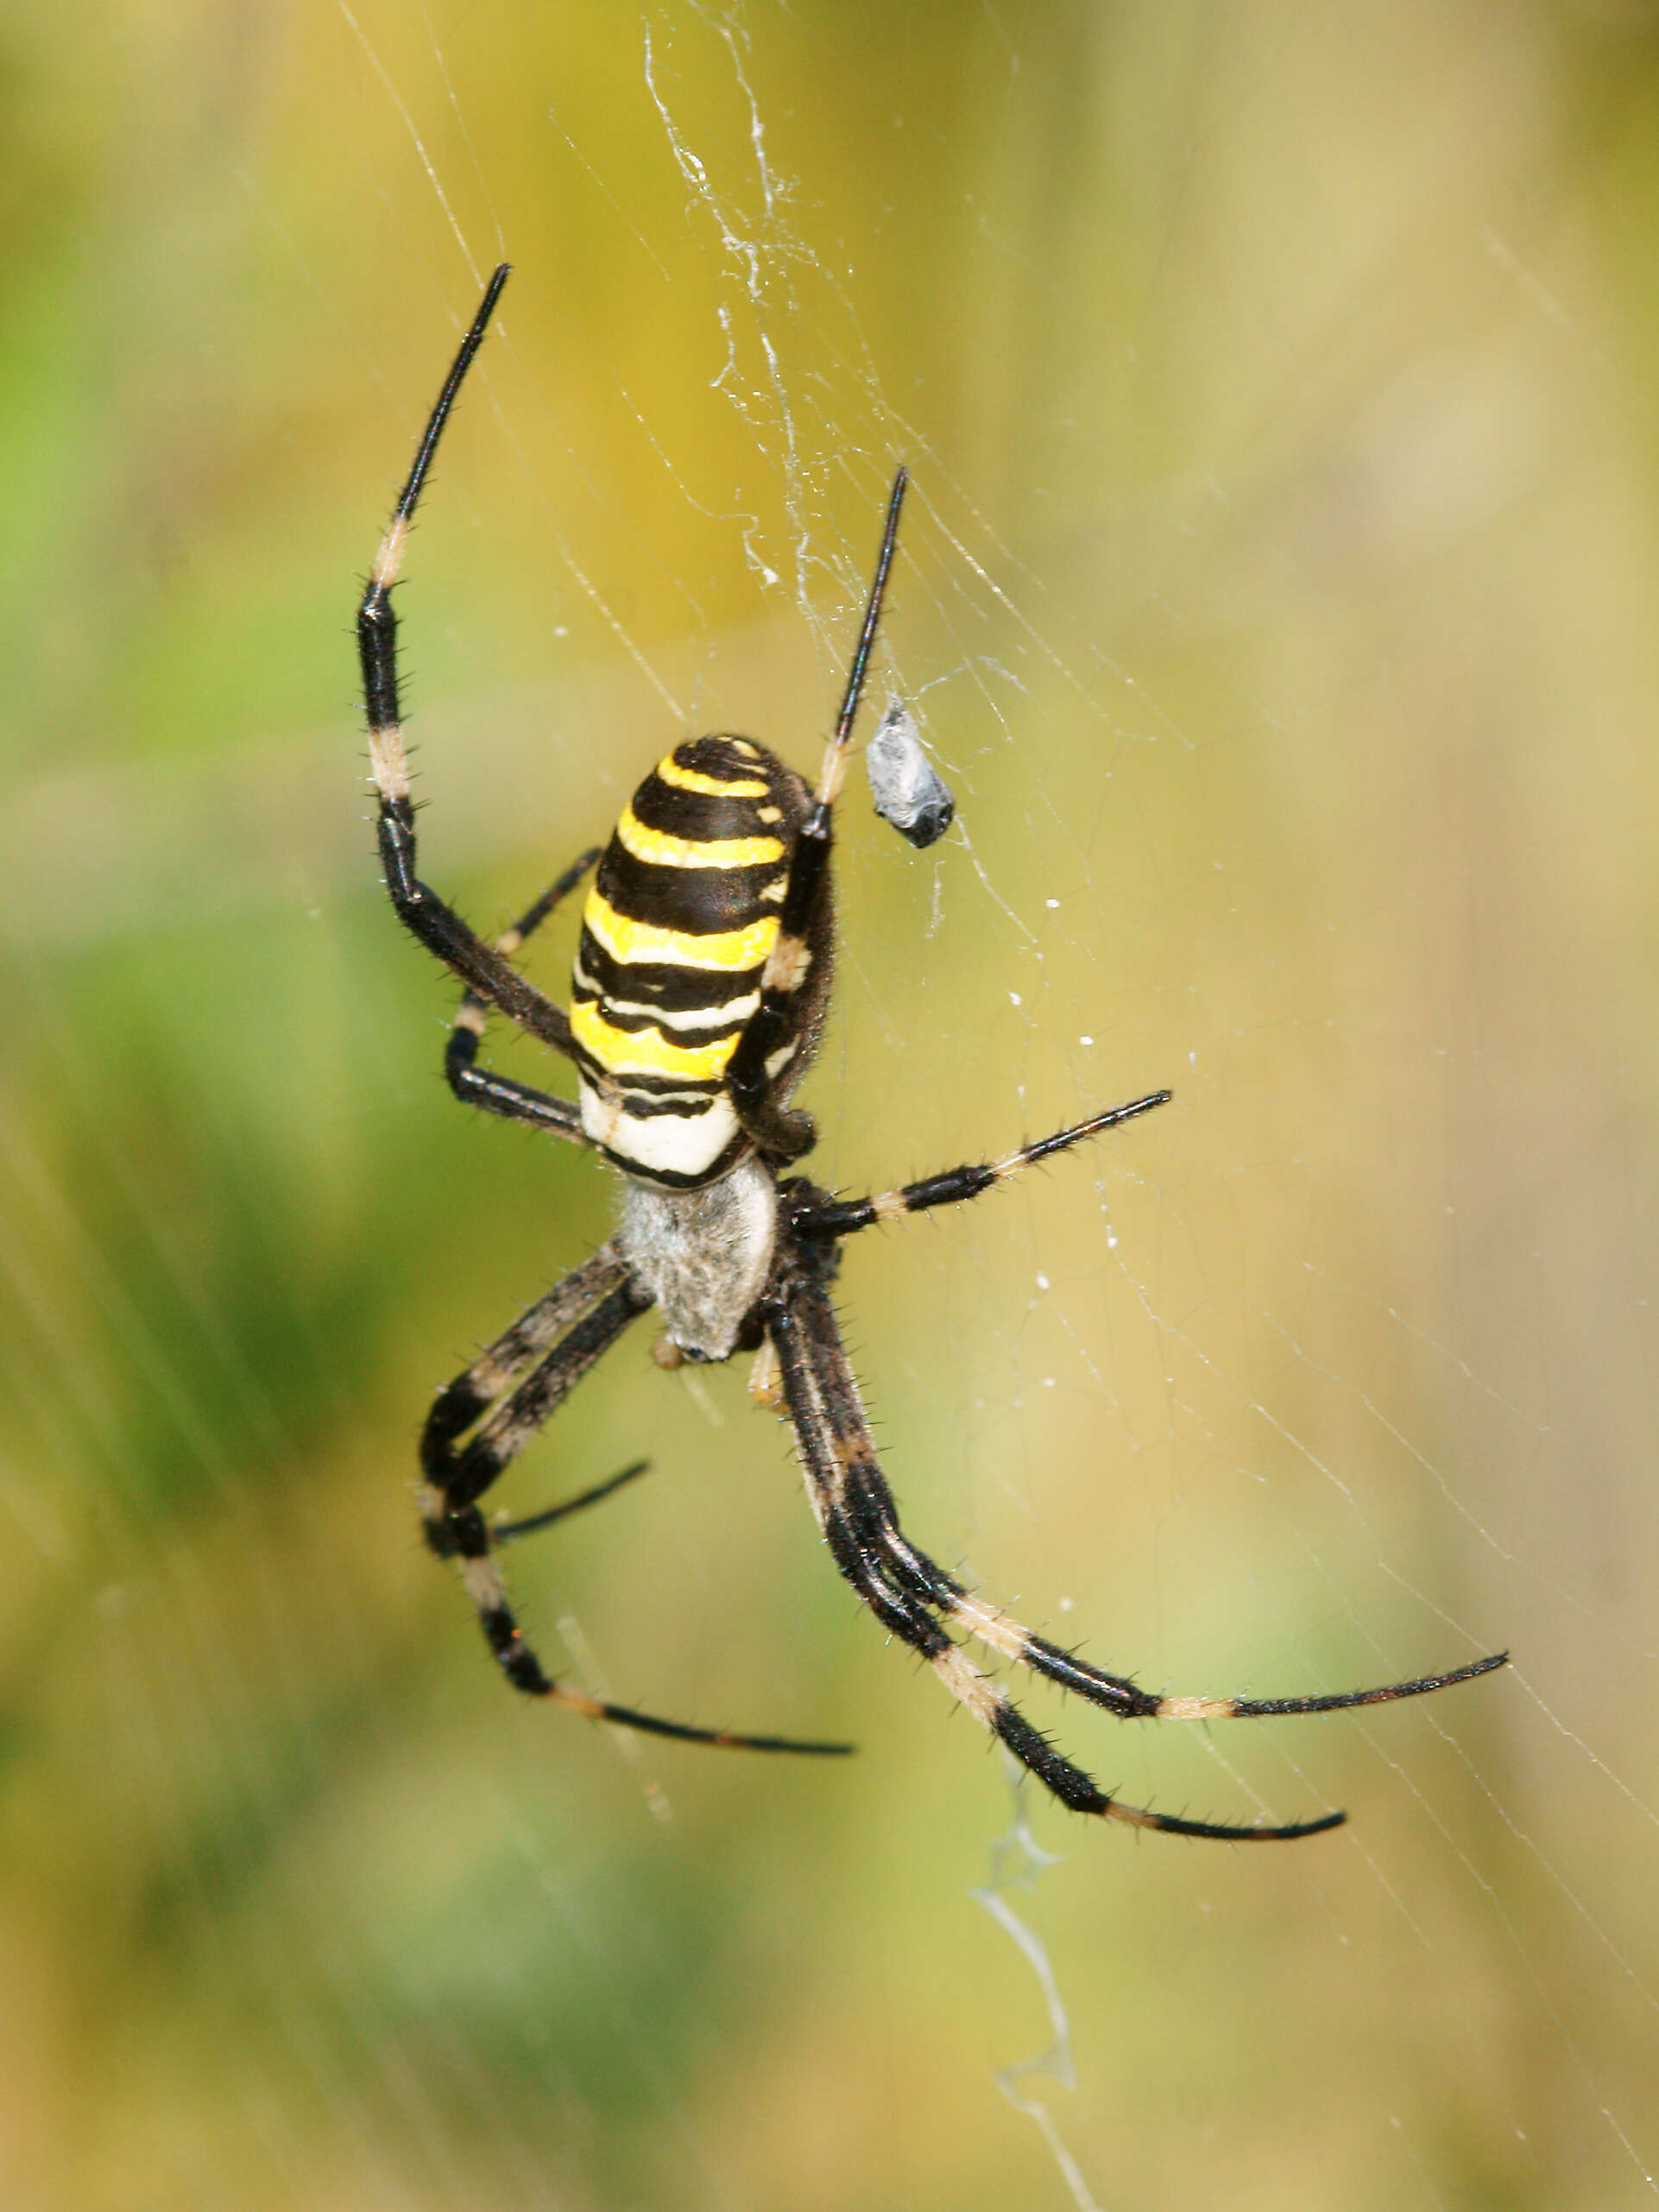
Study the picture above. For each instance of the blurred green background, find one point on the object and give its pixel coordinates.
(1279, 596)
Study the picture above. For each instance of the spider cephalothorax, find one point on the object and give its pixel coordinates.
(700, 986)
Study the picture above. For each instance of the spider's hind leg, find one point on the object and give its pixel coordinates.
(579, 1318)
(902, 1587)
(907, 1590)
(466, 1446)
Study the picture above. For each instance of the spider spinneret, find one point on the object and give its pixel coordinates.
(699, 990)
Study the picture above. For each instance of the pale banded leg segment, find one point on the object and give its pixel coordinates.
(482, 1086)
(421, 911)
(840, 1217)
(581, 1318)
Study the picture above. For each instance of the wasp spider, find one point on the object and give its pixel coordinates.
(699, 991)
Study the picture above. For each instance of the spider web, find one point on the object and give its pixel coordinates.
(1274, 596)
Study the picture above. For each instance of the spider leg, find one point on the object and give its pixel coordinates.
(749, 1072)
(840, 1217)
(422, 912)
(482, 1086)
(509, 1531)
(1116, 1695)
(850, 1498)
(580, 1318)
(874, 1516)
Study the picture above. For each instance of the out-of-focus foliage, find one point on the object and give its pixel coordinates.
(1278, 598)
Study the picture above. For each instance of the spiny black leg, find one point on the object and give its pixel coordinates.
(470, 1540)
(746, 1077)
(834, 1440)
(422, 912)
(1339, 1701)
(458, 1474)
(459, 1477)
(460, 1405)
(500, 1094)
(895, 1605)
(1075, 1788)
(508, 1532)
(840, 1216)
(377, 624)
(1126, 1700)
(870, 1507)
(482, 1086)
(557, 891)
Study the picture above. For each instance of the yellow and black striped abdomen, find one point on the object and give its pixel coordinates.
(676, 933)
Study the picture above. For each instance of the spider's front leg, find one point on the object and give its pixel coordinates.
(427, 916)
(795, 968)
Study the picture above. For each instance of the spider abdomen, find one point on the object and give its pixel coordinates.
(682, 917)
